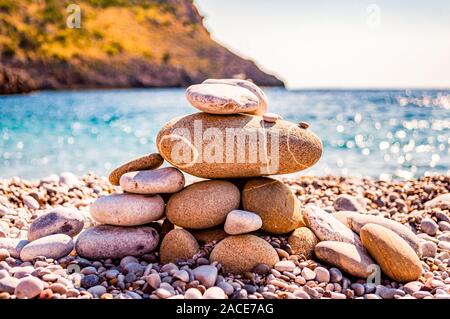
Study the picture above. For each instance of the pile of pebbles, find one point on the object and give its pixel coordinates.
(409, 202)
(239, 234)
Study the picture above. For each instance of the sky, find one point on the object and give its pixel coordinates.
(338, 44)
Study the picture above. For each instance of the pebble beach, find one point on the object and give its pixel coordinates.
(421, 205)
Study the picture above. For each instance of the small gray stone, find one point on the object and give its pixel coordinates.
(97, 290)
(206, 274)
(444, 245)
(428, 249)
(226, 287)
(358, 289)
(335, 275)
(349, 203)
(444, 226)
(429, 226)
(182, 275)
(308, 274)
(261, 269)
(438, 200)
(441, 216)
(134, 268)
(412, 287)
(242, 222)
(13, 245)
(154, 280)
(90, 281)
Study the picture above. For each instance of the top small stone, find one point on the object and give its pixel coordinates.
(146, 162)
(222, 99)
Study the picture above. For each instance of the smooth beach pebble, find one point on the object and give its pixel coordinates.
(8, 284)
(161, 180)
(127, 209)
(202, 205)
(206, 274)
(29, 287)
(4, 253)
(274, 202)
(438, 200)
(263, 102)
(214, 293)
(271, 117)
(242, 222)
(285, 265)
(13, 245)
(209, 235)
(177, 244)
(302, 242)
(429, 226)
(192, 293)
(326, 227)
(105, 241)
(146, 162)
(396, 258)
(220, 98)
(291, 148)
(349, 203)
(347, 257)
(53, 246)
(60, 220)
(357, 221)
(241, 253)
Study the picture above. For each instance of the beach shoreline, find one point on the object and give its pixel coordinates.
(407, 202)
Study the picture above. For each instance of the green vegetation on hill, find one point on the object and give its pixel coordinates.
(120, 44)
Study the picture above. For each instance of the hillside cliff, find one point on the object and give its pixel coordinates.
(120, 43)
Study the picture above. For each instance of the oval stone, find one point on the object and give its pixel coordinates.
(302, 242)
(241, 253)
(263, 103)
(105, 241)
(328, 228)
(146, 162)
(347, 257)
(127, 209)
(218, 146)
(202, 205)
(13, 245)
(177, 244)
(221, 98)
(396, 258)
(60, 220)
(53, 246)
(274, 202)
(357, 221)
(161, 180)
(241, 222)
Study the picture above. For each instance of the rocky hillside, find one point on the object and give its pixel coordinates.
(121, 43)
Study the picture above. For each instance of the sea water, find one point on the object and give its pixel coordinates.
(384, 134)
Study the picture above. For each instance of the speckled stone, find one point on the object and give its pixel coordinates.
(357, 221)
(242, 253)
(218, 98)
(294, 149)
(53, 246)
(274, 202)
(161, 180)
(60, 220)
(349, 258)
(127, 209)
(146, 162)
(203, 205)
(302, 242)
(177, 244)
(263, 103)
(104, 241)
(395, 257)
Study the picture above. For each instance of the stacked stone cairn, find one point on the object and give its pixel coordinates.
(233, 145)
(236, 204)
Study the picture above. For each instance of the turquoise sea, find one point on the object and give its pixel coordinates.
(377, 133)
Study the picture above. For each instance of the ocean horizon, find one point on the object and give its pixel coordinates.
(378, 133)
